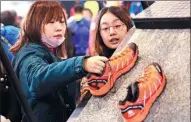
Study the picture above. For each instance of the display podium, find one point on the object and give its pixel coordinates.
(168, 45)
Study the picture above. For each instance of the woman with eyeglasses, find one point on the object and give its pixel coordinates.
(112, 25)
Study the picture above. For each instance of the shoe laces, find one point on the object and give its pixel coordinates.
(120, 54)
(145, 76)
(117, 61)
(110, 72)
(144, 79)
(114, 59)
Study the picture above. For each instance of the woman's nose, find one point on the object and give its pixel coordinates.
(59, 26)
(112, 31)
(58, 29)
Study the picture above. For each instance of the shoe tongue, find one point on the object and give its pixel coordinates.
(133, 92)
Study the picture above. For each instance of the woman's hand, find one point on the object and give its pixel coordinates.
(95, 64)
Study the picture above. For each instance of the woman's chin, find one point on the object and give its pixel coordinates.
(114, 46)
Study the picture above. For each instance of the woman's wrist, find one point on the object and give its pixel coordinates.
(84, 63)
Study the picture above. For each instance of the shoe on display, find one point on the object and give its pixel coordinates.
(143, 93)
(115, 67)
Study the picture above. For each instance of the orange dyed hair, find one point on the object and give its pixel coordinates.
(39, 14)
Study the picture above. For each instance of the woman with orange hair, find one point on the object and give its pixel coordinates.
(41, 65)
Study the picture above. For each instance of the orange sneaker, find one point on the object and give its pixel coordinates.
(142, 94)
(115, 67)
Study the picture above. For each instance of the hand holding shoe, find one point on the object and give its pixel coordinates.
(95, 64)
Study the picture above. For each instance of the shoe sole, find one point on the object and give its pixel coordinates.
(104, 90)
(143, 114)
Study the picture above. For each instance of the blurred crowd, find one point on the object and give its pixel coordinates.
(81, 23)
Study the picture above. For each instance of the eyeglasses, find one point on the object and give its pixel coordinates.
(117, 28)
